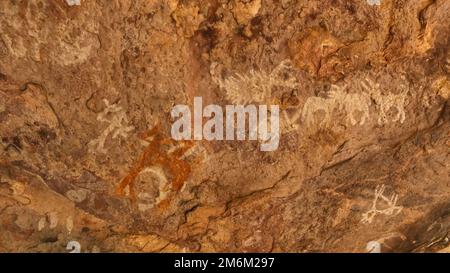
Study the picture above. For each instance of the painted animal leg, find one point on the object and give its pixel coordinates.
(400, 112)
(351, 117)
(382, 119)
(128, 181)
(326, 120)
(364, 116)
(290, 123)
(180, 171)
(402, 115)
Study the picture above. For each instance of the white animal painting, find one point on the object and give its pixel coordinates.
(338, 98)
(255, 86)
(314, 105)
(52, 220)
(115, 116)
(351, 103)
(386, 102)
(390, 209)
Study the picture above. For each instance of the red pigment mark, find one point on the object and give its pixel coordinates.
(154, 154)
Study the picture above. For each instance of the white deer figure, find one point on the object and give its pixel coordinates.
(351, 103)
(337, 97)
(316, 104)
(392, 208)
(386, 102)
(255, 86)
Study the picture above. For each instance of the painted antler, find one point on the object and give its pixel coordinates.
(392, 208)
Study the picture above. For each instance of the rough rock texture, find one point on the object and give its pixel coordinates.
(364, 152)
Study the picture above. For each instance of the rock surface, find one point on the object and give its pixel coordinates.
(363, 88)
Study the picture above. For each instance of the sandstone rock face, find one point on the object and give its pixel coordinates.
(363, 159)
